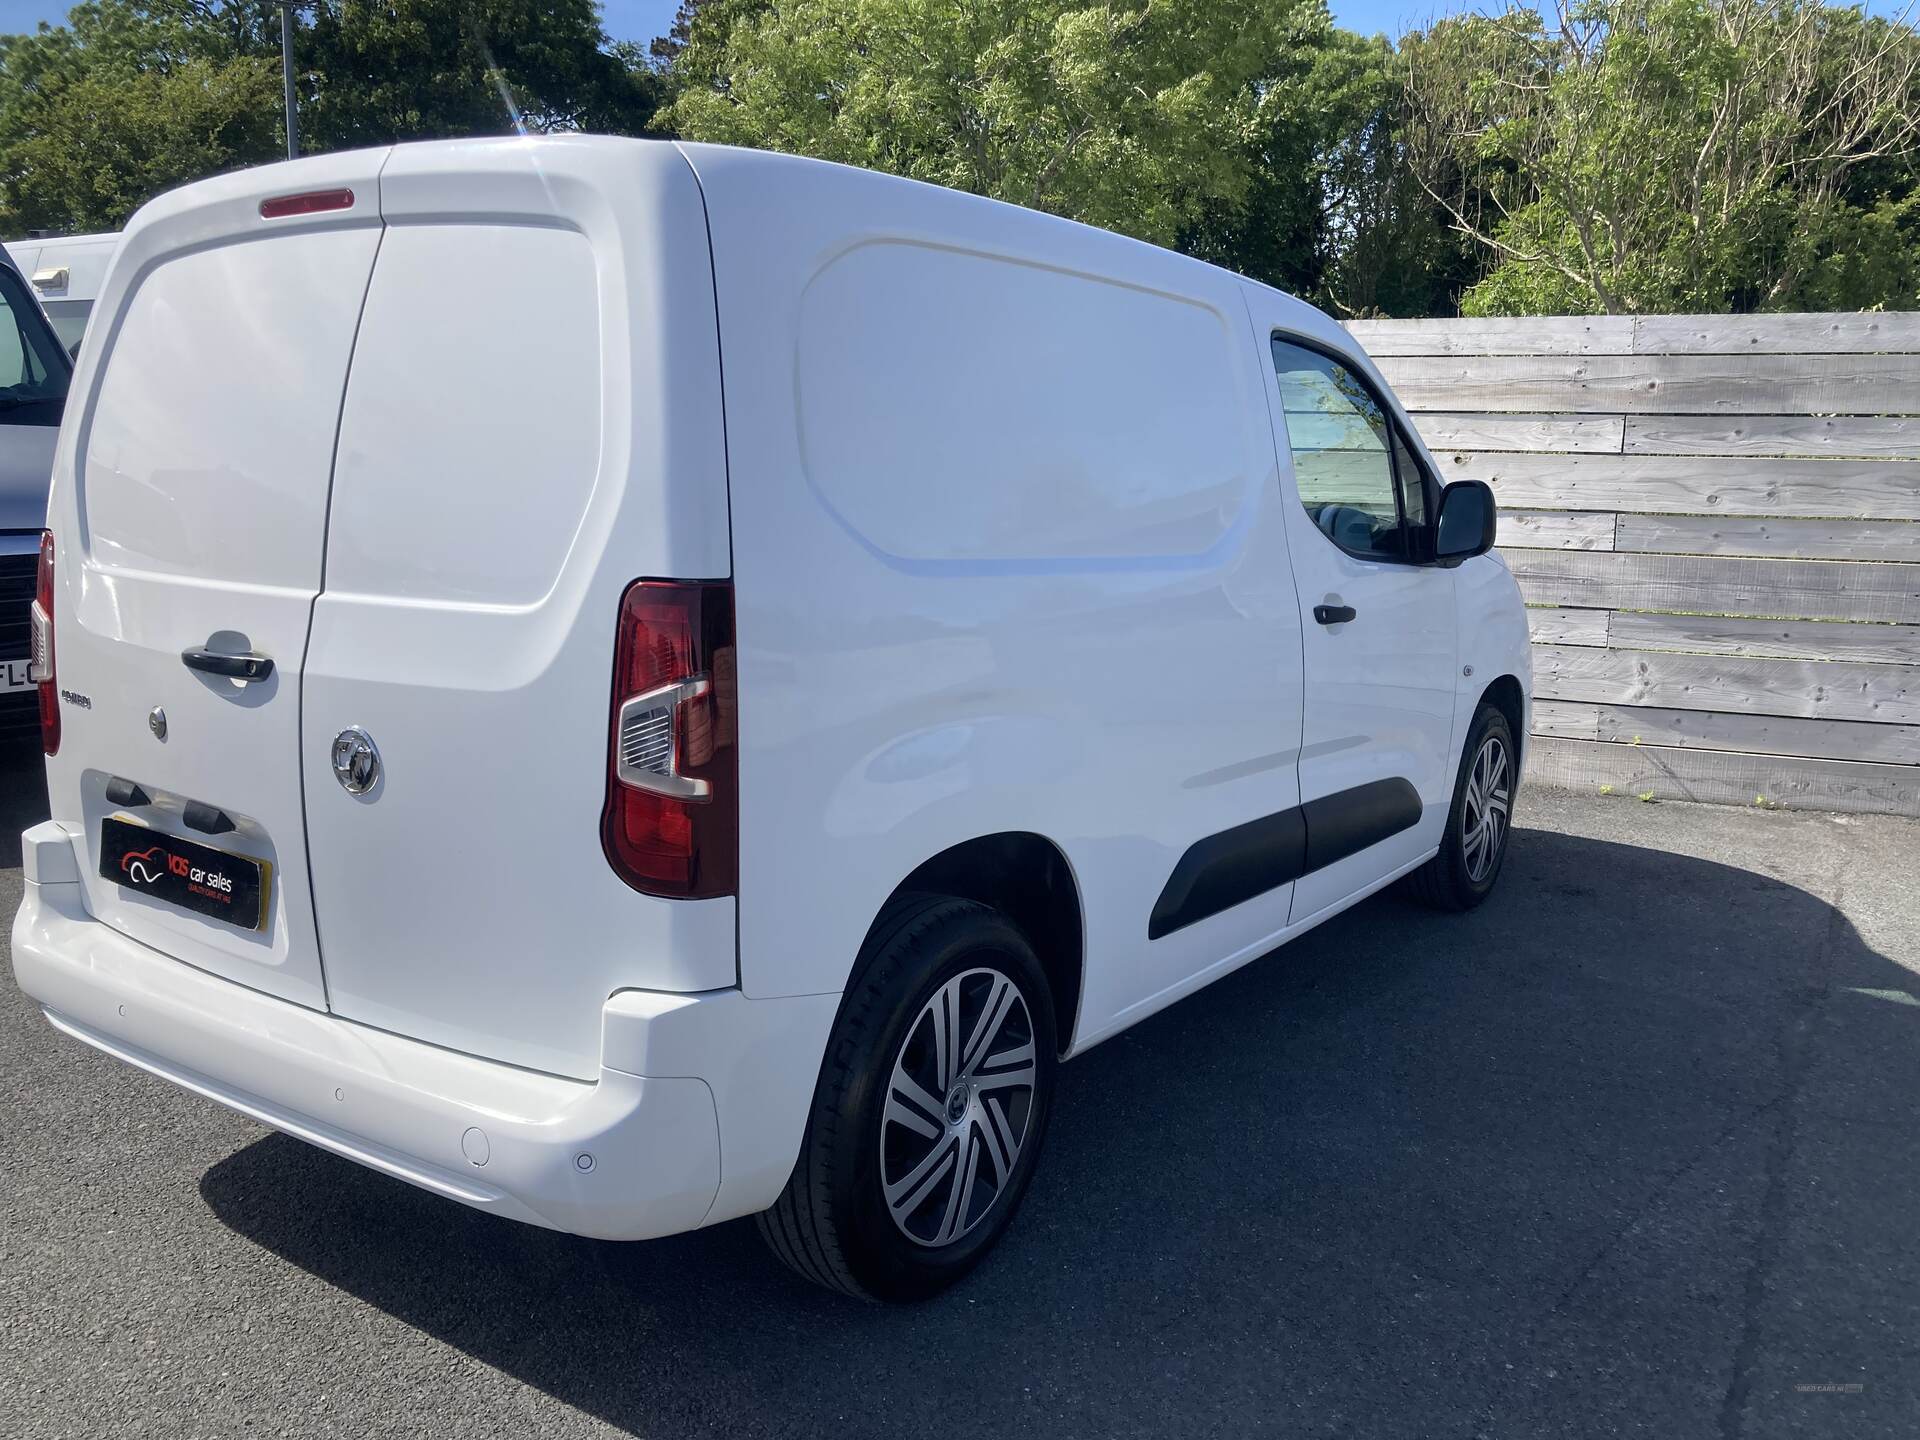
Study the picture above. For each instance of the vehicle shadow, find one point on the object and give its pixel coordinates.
(1538, 1168)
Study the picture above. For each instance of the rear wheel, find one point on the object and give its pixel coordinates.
(930, 1110)
(1475, 846)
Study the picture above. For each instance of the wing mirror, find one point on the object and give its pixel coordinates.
(1467, 522)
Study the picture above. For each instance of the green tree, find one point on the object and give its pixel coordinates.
(1332, 212)
(99, 115)
(1663, 155)
(382, 70)
(1143, 116)
(134, 96)
(1319, 87)
(663, 50)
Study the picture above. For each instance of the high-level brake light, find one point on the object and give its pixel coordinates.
(310, 203)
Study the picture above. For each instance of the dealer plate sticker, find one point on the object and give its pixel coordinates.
(185, 873)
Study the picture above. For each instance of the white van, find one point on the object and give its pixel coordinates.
(67, 272)
(632, 684)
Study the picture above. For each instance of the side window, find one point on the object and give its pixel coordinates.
(1414, 493)
(1347, 453)
(33, 370)
(15, 358)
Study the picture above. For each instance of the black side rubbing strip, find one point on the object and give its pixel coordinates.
(1222, 870)
(1233, 866)
(1348, 821)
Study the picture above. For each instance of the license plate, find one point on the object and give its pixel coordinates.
(186, 873)
(13, 676)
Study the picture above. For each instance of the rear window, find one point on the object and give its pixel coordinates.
(33, 366)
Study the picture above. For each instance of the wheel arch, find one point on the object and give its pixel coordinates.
(1027, 878)
(1506, 695)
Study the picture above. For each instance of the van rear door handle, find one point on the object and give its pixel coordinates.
(1333, 614)
(234, 667)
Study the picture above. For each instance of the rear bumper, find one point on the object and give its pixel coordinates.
(626, 1157)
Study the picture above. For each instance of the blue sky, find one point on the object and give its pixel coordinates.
(644, 19)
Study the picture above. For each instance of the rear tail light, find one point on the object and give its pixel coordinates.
(671, 826)
(40, 656)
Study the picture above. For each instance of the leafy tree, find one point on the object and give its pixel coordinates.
(1332, 213)
(1256, 136)
(1138, 115)
(98, 116)
(663, 50)
(1674, 154)
(1320, 86)
(134, 96)
(385, 70)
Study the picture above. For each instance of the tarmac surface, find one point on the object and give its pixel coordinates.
(1631, 1150)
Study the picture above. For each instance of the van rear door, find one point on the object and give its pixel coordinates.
(190, 522)
(532, 423)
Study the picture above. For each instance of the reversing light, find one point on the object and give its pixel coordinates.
(671, 824)
(311, 202)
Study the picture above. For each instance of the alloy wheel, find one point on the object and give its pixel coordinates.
(959, 1107)
(1483, 818)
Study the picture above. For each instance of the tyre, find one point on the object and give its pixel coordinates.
(1475, 846)
(930, 1109)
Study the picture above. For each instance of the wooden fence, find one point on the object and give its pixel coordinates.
(1716, 522)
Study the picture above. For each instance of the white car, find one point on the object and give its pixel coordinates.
(633, 684)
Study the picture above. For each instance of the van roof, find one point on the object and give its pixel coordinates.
(911, 202)
(103, 237)
(751, 178)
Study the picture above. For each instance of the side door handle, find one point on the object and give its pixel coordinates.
(235, 667)
(1333, 614)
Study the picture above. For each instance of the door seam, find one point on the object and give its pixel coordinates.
(306, 648)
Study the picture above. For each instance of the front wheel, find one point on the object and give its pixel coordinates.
(930, 1109)
(1481, 818)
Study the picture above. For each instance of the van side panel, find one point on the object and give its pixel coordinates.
(1020, 401)
(532, 421)
(1006, 558)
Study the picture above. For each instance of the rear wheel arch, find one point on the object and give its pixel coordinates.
(1027, 878)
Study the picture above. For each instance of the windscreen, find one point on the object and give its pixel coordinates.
(33, 367)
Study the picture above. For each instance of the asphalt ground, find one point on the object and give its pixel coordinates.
(1631, 1150)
